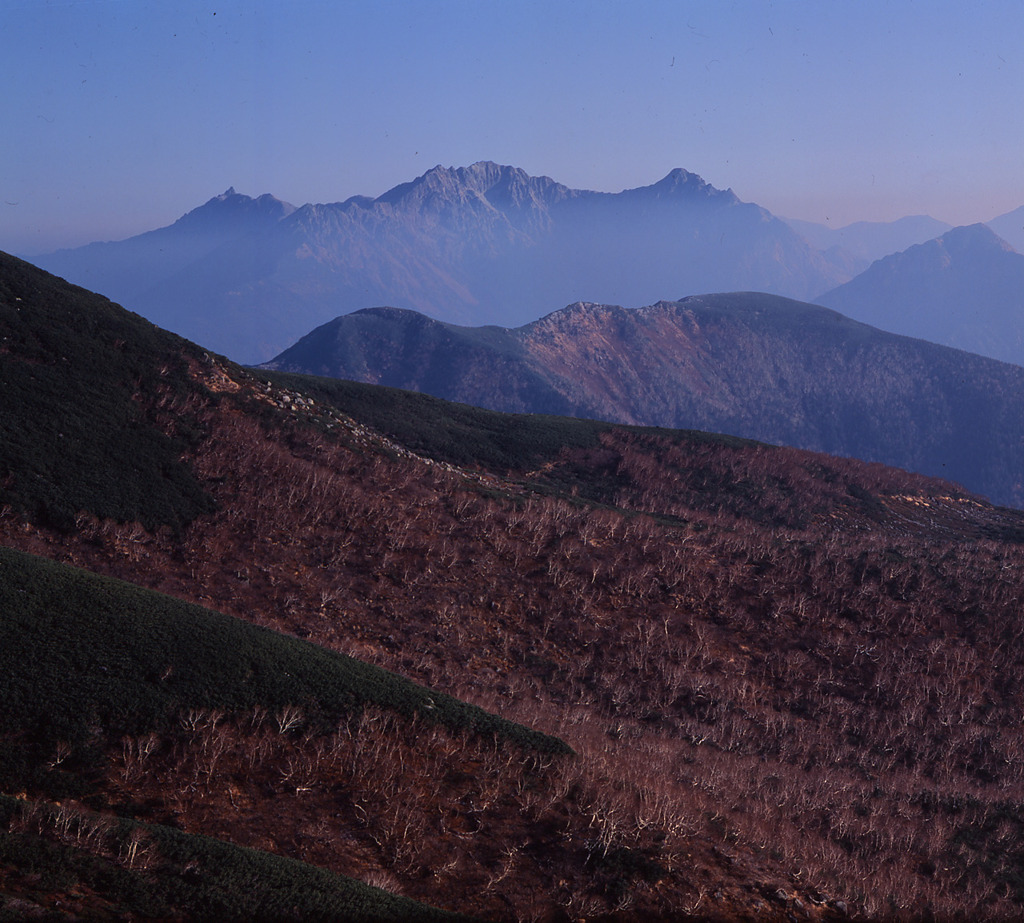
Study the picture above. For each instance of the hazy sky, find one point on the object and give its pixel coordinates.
(120, 115)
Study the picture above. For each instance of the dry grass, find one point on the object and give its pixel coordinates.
(787, 678)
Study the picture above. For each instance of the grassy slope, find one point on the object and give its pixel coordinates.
(461, 434)
(79, 428)
(99, 409)
(115, 870)
(86, 658)
(573, 457)
(746, 363)
(834, 622)
(77, 650)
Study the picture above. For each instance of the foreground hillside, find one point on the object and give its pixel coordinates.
(118, 704)
(750, 364)
(791, 684)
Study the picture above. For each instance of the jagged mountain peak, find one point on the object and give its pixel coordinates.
(679, 177)
(680, 182)
(481, 175)
(487, 173)
(485, 243)
(233, 206)
(486, 177)
(572, 317)
(498, 184)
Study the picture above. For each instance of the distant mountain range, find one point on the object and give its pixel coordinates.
(139, 265)
(485, 244)
(863, 242)
(754, 365)
(964, 289)
(490, 244)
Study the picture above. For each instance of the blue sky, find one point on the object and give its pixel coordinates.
(120, 115)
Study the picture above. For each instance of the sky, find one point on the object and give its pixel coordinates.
(121, 115)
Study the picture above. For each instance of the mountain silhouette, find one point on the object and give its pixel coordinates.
(863, 242)
(1011, 228)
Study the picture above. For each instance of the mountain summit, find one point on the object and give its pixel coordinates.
(150, 271)
(231, 207)
(963, 289)
(680, 183)
(496, 183)
(483, 244)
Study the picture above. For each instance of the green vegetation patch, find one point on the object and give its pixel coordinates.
(133, 870)
(79, 377)
(78, 651)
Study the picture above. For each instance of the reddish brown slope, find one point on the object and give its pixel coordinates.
(795, 679)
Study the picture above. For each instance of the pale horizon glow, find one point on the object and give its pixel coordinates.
(121, 115)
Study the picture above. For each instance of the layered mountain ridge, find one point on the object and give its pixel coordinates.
(863, 242)
(1010, 226)
(481, 244)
